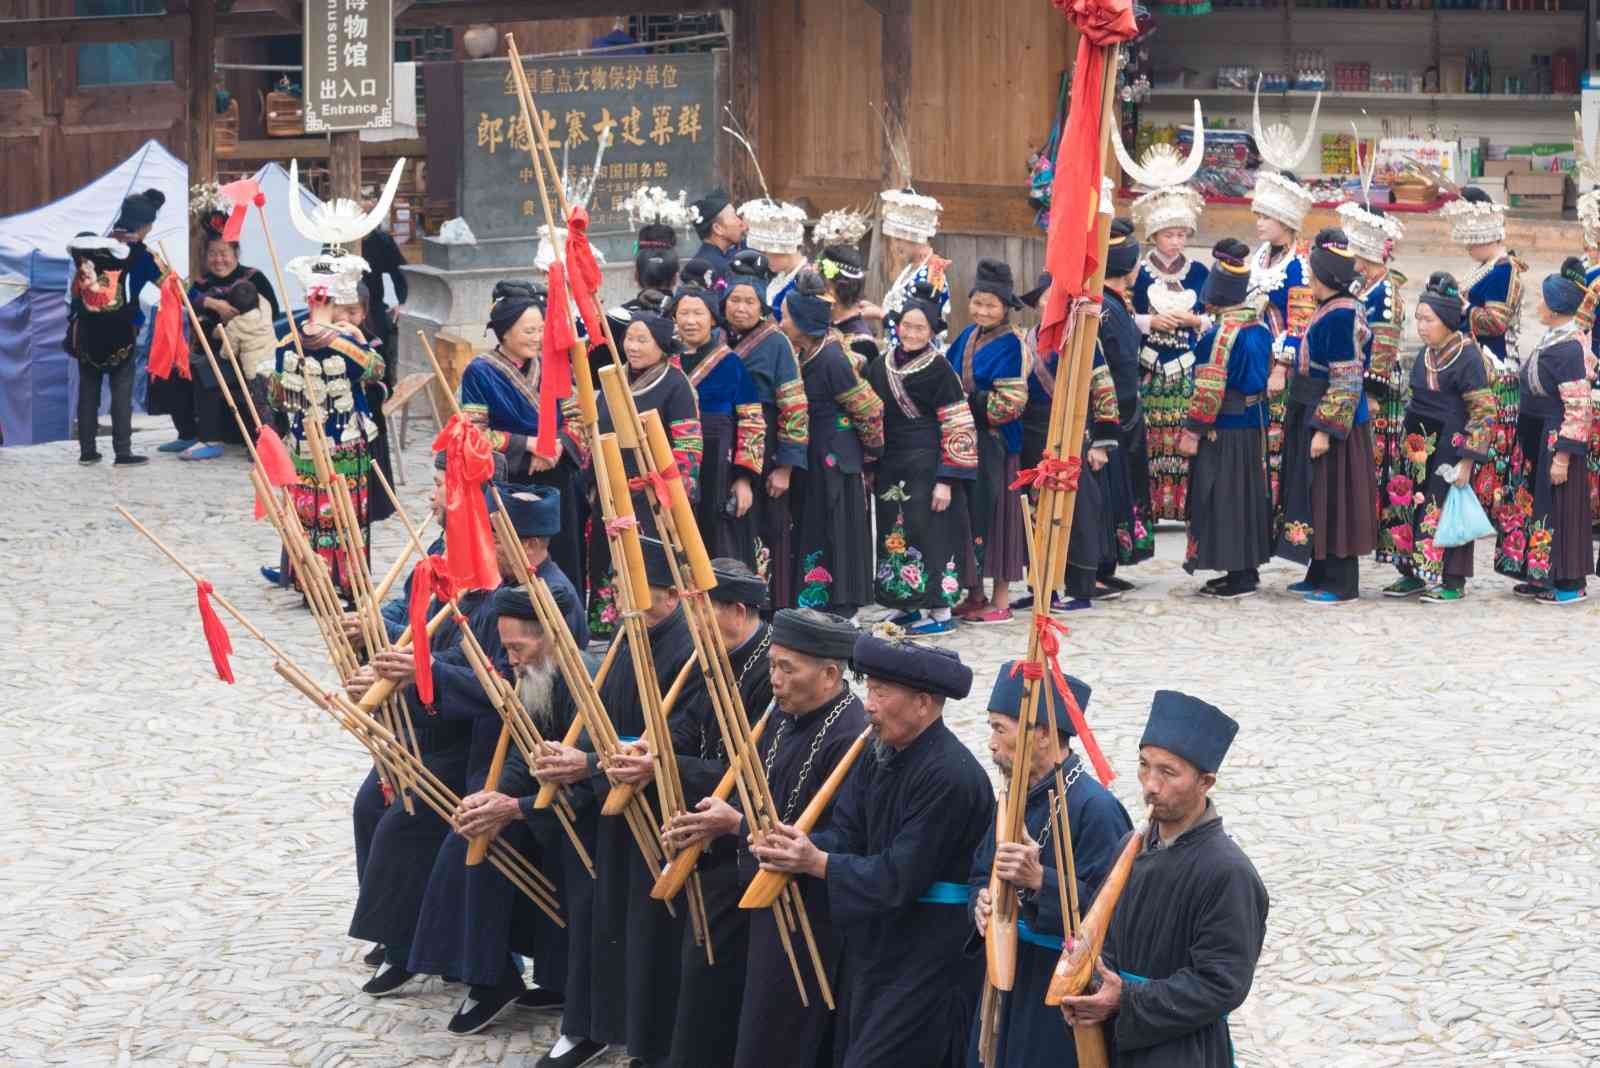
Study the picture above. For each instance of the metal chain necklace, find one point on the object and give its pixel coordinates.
(816, 744)
(708, 751)
(1044, 838)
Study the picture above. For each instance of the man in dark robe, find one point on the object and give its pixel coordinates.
(1030, 1033)
(634, 944)
(473, 919)
(895, 862)
(709, 991)
(1182, 948)
(815, 720)
(721, 231)
(1127, 474)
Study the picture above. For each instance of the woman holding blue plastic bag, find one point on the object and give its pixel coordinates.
(1448, 423)
(1546, 525)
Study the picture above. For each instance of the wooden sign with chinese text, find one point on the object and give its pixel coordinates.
(349, 65)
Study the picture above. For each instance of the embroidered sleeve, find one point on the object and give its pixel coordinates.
(1481, 407)
(1211, 381)
(865, 410)
(1491, 319)
(1103, 414)
(958, 441)
(688, 447)
(749, 436)
(1006, 399)
(1336, 412)
(1585, 316)
(794, 424)
(1302, 306)
(576, 441)
(1573, 437)
(1385, 353)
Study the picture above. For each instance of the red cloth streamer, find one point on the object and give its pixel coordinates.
(275, 462)
(1059, 475)
(585, 274)
(429, 579)
(168, 347)
(555, 372)
(1070, 253)
(469, 543)
(615, 527)
(657, 481)
(217, 640)
(1050, 646)
(241, 194)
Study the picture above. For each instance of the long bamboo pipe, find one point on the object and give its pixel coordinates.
(767, 885)
(1000, 940)
(624, 792)
(671, 880)
(547, 790)
(1076, 966)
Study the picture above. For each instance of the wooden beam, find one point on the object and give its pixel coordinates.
(202, 98)
(33, 33)
(495, 11)
(344, 165)
(291, 11)
(895, 52)
(745, 58)
(256, 24)
(315, 147)
(890, 7)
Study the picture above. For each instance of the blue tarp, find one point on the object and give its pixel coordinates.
(37, 377)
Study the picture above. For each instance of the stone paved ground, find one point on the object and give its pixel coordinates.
(1417, 786)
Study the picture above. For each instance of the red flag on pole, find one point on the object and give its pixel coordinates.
(585, 272)
(1070, 253)
(429, 579)
(218, 643)
(168, 347)
(468, 541)
(555, 365)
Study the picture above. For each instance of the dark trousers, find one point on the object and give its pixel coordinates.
(175, 395)
(1339, 575)
(89, 378)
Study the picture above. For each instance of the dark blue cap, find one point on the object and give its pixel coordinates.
(1006, 697)
(535, 511)
(914, 666)
(1198, 732)
(733, 588)
(513, 601)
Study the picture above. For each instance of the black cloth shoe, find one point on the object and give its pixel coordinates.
(87, 458)
(585, 1052)
(1105, 593)
(374, 957)
(483, 1006)
(387, 981)
(130, 460)
(1216, 583)
(543, 1000)
(1121, 585)
(1231, 591)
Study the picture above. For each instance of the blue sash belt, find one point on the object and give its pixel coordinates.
(1034, 938)
(627, 739)
(1129, 977)
(945, 894)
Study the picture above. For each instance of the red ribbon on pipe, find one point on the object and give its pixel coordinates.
(1050, 646)
(585, 272)
(555, 371)
(1060, 475)
(468, 540)
(168, 348)
(429, 579)
(217, 640)
(656, 480)
(275, 463)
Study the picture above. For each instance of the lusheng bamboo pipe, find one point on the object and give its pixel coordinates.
(383, 688)
(682, 514)
(622, 793)
(767, 885)
(677, 872)
(547, 791)
(1000, 940)
(1077, 963)
(626, 521)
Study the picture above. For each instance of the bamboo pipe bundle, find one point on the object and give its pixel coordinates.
(622, 793)
(767, 885)
(672, 878)
(1051, 530)
(1076, 967)
(547, 791)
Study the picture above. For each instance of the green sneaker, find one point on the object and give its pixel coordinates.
(1408, 585)
(1443, 595)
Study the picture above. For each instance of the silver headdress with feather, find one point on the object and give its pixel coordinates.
(1372, 236)
(1276, 196)
(333, 275)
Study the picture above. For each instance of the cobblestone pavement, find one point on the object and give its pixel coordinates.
(1416, 784)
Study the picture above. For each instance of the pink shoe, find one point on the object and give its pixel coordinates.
(993, 615)
(972, 606)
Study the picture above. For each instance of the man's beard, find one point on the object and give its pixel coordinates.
(536, 686)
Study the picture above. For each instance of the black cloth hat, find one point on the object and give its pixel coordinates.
(1443, 295)
(510, 299)
(1332, 262)
(1564, 290)
(807, 306)
(732, 588)
(513, 601)
(535, 511)
(1006, 697)
(698, 273)
(750, 264)
(994, 277)
(1033, 296)
(1198, 732)
(708, 208)
(922, 299)
(915, 666)
(1122, 254)
(657, 571)
(709, 297)
(829, 637)
(1229, 281)
(661, 328)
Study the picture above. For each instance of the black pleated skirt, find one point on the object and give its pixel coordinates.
(1229, 502)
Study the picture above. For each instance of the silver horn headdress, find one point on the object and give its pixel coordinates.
(1277, 196)
(1372, 236)
(333, 274)
(1171, 201)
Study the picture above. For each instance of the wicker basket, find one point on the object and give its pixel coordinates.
(285, 115)
(226, 128)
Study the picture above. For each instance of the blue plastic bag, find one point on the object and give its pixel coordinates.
(1462, 521)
